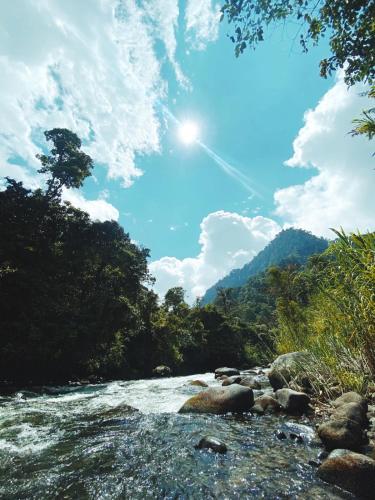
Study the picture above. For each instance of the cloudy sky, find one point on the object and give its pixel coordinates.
(202, 157)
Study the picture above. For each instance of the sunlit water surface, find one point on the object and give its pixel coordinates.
(84, 442)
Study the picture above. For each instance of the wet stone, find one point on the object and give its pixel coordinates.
(212, 443)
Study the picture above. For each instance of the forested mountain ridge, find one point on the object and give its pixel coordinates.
(289, 246)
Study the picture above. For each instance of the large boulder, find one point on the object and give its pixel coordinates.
(290, 367)
(342, 433)
(162, 371)
(346, 427)
(265, 404)
(226, 371)
(250, 382)
(350, 397)
(292, 401)
(353, 472)
(233, 398)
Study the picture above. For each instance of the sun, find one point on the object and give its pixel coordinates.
(188, 132)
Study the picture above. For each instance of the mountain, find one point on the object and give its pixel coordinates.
(290, 245)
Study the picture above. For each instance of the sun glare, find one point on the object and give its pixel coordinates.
(188, 132)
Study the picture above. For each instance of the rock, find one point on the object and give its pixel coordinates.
(250, 382)
(198, 383)
(351, 411)
(213, 444)
(296, 437)
(265, 404)
(351, 471)
(341, 433)
(234, 398)
(345, 428)
(290, 366)
(280, 435)
(350, 397)
(292, 401)
(235, 379)
(226, 371)
(162, 371)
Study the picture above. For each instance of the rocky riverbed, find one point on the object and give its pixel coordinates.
(127, 439)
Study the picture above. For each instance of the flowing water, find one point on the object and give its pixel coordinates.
(86, 443)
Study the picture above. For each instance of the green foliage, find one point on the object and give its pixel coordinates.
(366, 125)
(329, 310)
(289, 246)
(67, 165)
(349, 25)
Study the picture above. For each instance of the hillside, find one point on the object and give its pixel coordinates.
(294, 245)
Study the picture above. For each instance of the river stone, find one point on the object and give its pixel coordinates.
(292, 401)
(351, 411)
(350, 397)
(250, 382)
(290, 366)
(353, 472)
(226, 371)
(265, 404)
(162, 371)
(198, 383)
(341, 433)
(233, 398)
(212, 443)
(235, 379)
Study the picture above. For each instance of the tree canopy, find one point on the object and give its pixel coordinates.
(349, 26)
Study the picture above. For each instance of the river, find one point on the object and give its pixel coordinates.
(85, 443)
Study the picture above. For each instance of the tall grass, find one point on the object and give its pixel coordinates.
(336, 323)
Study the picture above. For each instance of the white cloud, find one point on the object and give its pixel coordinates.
(94, 70)
(342, 192)
(228, 241)
(98, 209)
(202, 22)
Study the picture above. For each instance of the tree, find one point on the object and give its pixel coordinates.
(174, 298)
(67, 165)
(366, 125)
(349, 25)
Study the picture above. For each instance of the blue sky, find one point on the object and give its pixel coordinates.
(108, 70)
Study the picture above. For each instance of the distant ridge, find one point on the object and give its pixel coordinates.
(294, 245)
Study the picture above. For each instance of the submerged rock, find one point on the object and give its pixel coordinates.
(226, 371)
(351, 471)
(290, 366)
(234, 398)
(198, 383)
(234, 379)
(212, 443)
(162, 371)
(292, 401)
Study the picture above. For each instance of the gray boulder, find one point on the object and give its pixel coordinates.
(292, 401)
(351, 471)
(234, 398)
(212, 443)
(226, 371)
(250, 382)
(290, 367)
(162, 371)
